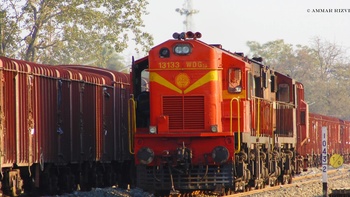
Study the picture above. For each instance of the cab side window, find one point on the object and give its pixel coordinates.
(235, 80)
(144, 81)
(283, 93)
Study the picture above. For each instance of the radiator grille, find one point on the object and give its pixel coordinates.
(184, 112)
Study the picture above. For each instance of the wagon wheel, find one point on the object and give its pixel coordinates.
(53, 184)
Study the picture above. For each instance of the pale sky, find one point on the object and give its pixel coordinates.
(232, 23)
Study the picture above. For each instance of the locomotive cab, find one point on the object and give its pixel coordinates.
(140, 90)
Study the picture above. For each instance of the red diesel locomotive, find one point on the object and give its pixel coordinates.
(211, 119)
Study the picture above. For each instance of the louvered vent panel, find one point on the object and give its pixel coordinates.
(194, 112)
(173, 107)
(184, 112)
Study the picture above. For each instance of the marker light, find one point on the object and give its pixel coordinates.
(214, 128)
(176, 36)
(197, 35)
(152, 129)
(185, 35)
(190, 34)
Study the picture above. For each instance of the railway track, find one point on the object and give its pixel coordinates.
(297, 182)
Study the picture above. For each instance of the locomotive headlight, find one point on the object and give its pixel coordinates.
(164, 52)
(152, 129)
(214, 128)
(220, 154)
(145, 155)
(182, 49)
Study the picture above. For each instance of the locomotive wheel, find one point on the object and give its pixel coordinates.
(278, 182)
(284, 180)
(257, 186)
(228, 191)
(274, 183)
(247, 188)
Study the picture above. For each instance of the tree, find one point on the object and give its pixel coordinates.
(64, 31)
(116, 63)
(321, 67)
(329, 89)
(9, 39)
(283, 57)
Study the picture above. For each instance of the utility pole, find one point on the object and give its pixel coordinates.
(188, 12)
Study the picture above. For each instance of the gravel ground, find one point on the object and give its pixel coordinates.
(310, 190)
(107, 192)
(302, 190)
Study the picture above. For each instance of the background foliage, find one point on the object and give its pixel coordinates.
(94, 32)
(71, 32)
(322, 67)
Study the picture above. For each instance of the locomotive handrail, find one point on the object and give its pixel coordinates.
(271, 119)
(131, 123)
(258, 129)
(277, 105)
(2, 118)
(1, 173)
(238, 123)
(258, 114)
